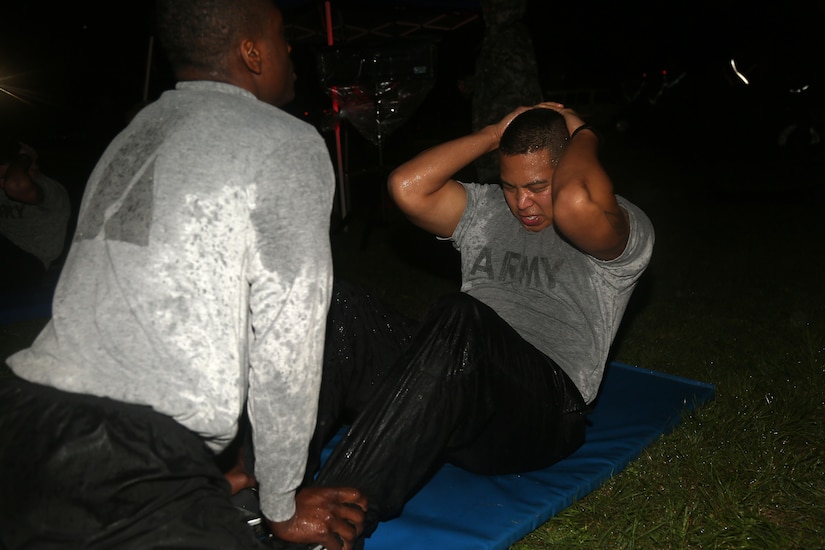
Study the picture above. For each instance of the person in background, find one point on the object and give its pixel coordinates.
(34, 218)
(496, 378)
(196, 287)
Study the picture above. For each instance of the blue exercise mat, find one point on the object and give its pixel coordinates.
(460, 510)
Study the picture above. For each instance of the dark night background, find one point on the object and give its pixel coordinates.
(78, 69)
(733, 295)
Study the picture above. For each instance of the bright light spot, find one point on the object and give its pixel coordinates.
(21, 94)
(739, 75)
(11, 93)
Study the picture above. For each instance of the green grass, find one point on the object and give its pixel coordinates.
(734, 296)
(745, 471)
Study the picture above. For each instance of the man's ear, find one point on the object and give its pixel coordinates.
(251, 56)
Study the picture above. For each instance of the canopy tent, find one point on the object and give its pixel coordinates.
(309, 21)
(353, 20)
(375, 60)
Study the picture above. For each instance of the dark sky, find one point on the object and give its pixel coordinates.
(91, 56)
(67, 58)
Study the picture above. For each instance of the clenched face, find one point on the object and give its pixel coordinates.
(526, 182)
(279, 88)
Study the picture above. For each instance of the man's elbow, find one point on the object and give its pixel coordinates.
(399, 185)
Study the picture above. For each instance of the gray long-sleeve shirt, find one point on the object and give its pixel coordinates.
(200, 273)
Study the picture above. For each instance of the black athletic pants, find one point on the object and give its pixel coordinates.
(463, 387)
(78, 471)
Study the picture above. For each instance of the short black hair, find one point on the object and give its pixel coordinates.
(199, 34)
(536, 130)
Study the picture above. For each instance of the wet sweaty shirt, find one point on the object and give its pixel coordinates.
(564, 302)
(201, 267)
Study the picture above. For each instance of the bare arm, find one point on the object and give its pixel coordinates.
(424, 188)
(323, 515)
(585, 209)
(333, 517)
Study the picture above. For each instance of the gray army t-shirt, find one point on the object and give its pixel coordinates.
(564, 302)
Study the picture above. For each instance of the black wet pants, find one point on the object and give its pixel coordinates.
(78, 471)
(463, 387)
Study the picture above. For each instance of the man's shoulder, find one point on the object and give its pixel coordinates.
(485, 212)
(234, 110)
(482, 191)
(50, 183)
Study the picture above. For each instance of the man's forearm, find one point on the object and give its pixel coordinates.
(430, 170)
(424, 189)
